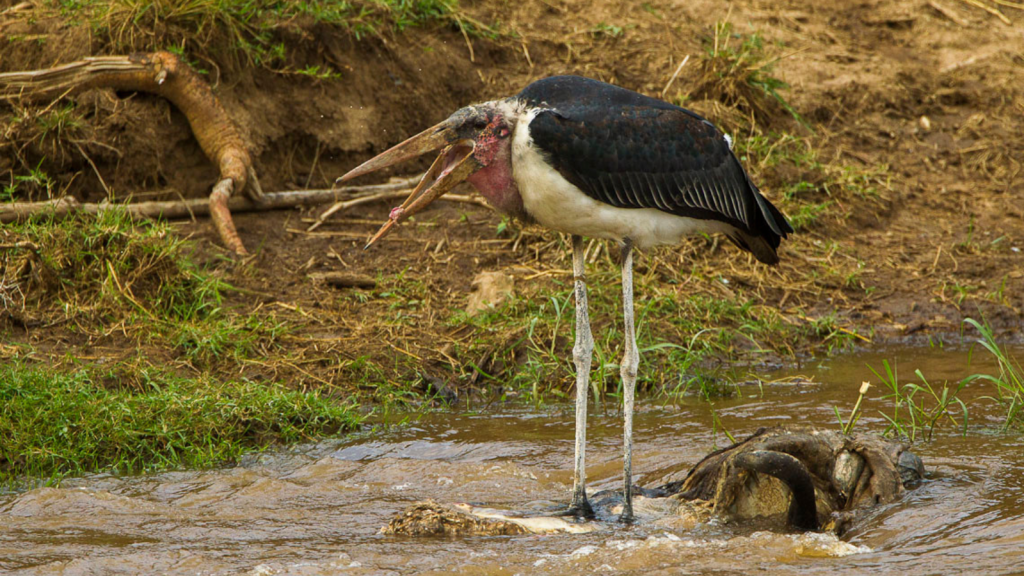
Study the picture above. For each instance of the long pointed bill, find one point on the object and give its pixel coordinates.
(431, 139)
(452, 166)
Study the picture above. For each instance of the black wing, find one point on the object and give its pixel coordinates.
(625, 149)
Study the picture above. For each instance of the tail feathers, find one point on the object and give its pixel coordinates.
(767, 225)
(763, 247)
(773, 216)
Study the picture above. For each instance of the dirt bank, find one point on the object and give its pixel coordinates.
(913, 192)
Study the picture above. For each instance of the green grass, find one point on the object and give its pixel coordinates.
(93, 273)
(606, 29)
(250, 28)
(1008, 384)
(917, 408)
(35, 185)
(526, 343)
(737, 70)
(109, 266)
(807, 186)
(56, 424)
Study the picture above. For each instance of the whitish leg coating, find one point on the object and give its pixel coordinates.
(581, 355)
(628, 367)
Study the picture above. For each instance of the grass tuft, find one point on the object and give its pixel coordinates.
(108, 266)
(1009, 383)
(923, 405)
(737, 71)
(108, 272)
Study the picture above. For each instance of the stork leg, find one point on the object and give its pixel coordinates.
(581, 355)
(627, 368)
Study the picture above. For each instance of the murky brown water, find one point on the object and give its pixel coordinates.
(317, 510)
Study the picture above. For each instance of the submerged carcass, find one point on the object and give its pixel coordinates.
(793, 478)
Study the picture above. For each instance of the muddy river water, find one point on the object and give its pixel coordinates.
(318, 509)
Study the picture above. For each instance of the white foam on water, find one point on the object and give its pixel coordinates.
(825, 545)
(583, 551)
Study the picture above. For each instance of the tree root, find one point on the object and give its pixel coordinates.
(163, 74)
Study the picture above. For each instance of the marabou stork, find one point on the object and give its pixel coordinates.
(591, 159)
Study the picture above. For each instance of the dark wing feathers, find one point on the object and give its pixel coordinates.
(631, 151)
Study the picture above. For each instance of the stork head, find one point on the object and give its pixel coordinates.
(469, 141)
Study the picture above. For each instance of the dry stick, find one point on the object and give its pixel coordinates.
(948, 13)
(472, 57)
(398, 184)
(95, 170)
(163, 74)
(16, 8)
(993, 11)
(16, 211)
(62, 207)
(674, 76)
(346, 204)
(1015, 5)
(343, 280)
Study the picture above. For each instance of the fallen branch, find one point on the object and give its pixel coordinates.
(163, 74)
(171, 209)
(343, 280)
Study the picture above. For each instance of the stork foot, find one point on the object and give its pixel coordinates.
(580, 511)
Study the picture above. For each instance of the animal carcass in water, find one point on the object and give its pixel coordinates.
(793, 477)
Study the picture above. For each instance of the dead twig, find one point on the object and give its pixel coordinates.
(1015, 5)
(948, 13)
(993, 11)
(343, 280)
(171, 209)
(346, 204)
(674, 76)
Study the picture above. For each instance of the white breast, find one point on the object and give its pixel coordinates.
(557, 204)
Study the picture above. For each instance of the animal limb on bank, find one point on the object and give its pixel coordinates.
(163, 74)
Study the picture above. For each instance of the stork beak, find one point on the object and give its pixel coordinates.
(453, 165)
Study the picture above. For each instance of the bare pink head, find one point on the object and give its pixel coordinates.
(475, 144)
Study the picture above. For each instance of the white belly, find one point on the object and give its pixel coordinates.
(557, 204)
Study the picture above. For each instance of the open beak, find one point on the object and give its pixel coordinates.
(453, 165)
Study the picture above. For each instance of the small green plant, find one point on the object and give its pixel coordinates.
(319, 72)
(502, 226)
(605, 29)
(855, 414)
(737, 70)
(34, 185)
(1009, 383)
(917, 414)
(58, 122)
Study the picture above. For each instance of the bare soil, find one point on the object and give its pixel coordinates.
(899, 83)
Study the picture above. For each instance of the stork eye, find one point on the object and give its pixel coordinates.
(480, 123)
